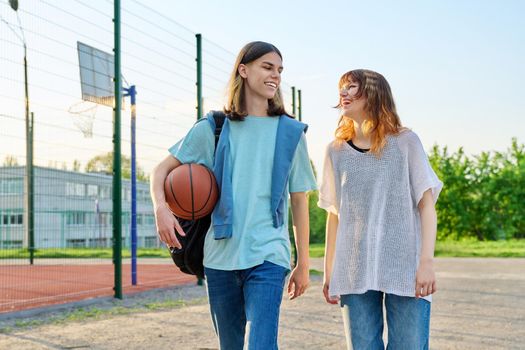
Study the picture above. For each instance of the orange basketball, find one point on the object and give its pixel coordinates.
(191, 191)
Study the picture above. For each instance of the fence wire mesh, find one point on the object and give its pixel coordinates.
(69, 256)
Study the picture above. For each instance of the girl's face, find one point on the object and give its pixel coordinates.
(351, 105)
(263, 76)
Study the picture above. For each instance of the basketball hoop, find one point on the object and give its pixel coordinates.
(83, 114)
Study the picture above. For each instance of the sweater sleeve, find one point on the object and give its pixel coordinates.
(327, 189)
(422, 176)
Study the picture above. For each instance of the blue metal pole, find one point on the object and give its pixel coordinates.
(131, 92)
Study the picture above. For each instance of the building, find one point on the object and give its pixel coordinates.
(72, 209)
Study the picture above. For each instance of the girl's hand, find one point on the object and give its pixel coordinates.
(166, 226)
(298, 282)
(425, 278)
(327, 297)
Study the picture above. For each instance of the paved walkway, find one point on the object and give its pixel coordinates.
(479, 305)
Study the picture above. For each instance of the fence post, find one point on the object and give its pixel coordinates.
(293, 101)
(117, 181)
(199, 94)
(299, 105)
(31, 190)
(199, 75)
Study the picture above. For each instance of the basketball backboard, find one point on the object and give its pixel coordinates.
(96, 74)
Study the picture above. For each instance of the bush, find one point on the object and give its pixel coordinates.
(483, 196)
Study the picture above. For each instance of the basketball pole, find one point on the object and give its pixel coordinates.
(132, 92)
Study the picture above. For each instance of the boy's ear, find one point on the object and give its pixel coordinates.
(242, 70)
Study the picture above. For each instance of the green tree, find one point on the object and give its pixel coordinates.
(10, 160)
(317, 219)
(76, 165)
(103, 163)
(483, 196)
(317, 215)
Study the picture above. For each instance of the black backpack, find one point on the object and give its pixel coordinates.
(190, 257)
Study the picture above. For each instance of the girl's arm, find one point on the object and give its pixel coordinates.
(299, 277)
(332, 222)
(425, 276)
(164, 219)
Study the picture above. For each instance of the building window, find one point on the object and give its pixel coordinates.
(92, 191)
(11, 244)
(151, 242)
(126, 194)
(11, 219)
(104, 192)
(150, 220)
(105, 219)
(75, 189)
(76, 218)
(76, 243)
(143, 196)
(97, 242)
(11, 186)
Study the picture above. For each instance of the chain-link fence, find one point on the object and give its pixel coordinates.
(56, 145)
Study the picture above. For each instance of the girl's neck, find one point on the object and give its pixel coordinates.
(361, 138)
(255, 105)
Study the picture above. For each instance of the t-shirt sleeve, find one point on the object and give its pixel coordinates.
(197, 146)
(327, 190)
(302, 177)
(422, 176)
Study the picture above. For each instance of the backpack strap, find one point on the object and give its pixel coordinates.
(219, 117)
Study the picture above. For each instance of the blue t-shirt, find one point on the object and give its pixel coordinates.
(252, 145)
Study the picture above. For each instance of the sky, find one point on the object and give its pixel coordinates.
(455, 67)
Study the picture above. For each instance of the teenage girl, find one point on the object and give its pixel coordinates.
(379, 191)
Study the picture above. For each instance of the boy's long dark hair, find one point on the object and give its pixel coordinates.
(235, 106)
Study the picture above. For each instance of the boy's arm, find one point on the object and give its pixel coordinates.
(164, 219)
(299, 278)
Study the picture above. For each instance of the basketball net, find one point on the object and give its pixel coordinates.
(83, 114)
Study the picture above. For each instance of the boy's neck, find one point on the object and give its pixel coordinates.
(257, 106)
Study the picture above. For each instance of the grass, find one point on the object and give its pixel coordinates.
(514, 248)
(79, 314)
(448, 248)
(317, 250)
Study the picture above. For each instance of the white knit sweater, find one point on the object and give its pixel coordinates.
(379, 234)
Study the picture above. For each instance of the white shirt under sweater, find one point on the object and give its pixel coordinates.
(379, 233)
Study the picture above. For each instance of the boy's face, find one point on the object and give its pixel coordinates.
(263, 76)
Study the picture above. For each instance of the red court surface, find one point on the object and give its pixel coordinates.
(31, 286)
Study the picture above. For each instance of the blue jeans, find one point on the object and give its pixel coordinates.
(408, 320)
(246, 302)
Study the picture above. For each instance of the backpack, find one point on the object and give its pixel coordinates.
(189, 258)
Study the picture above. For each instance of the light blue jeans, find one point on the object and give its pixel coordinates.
(408, 320)
(246, 303)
